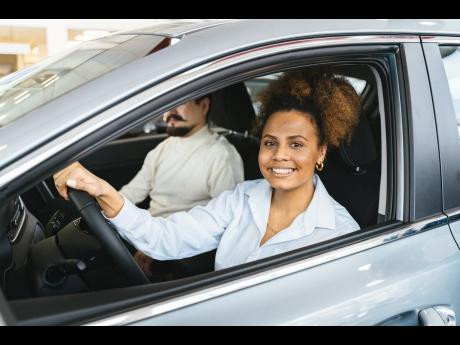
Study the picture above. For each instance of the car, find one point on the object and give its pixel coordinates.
(101, 103)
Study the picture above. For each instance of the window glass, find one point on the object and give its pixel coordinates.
(451, 61)
(28, 89)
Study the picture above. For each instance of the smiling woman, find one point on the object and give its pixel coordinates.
(302, 114)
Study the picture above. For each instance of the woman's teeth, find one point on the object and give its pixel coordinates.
(282, 171)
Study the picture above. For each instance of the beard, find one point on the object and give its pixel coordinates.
(177, 131)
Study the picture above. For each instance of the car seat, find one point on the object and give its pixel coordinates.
(231, 108)
(351, 175)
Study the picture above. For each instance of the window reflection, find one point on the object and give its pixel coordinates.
(24, 91)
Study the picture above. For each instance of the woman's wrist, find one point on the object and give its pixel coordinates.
(110, 200)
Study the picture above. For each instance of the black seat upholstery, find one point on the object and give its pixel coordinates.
(231, 108)
(352, 175)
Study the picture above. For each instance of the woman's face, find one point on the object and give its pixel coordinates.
(289, 150)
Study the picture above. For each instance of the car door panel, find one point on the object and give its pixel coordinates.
(367, 288)
(394, 281)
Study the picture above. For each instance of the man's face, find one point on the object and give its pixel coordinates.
(186, 119)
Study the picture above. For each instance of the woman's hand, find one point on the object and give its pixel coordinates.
(78, 177)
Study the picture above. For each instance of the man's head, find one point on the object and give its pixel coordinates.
(188, 118)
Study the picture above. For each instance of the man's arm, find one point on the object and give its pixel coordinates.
(139, 187)
(226, 171)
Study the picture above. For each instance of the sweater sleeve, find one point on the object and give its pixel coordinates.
(140, 186)
(226, 171)
(182, 234)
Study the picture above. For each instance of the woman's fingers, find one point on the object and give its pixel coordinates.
(77, 177)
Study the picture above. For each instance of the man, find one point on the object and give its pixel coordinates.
(189, 168)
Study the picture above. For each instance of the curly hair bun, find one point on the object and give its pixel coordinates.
(337, 102)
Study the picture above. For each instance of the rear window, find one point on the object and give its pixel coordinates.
(28, 89)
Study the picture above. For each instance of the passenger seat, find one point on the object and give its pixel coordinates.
(231, 108)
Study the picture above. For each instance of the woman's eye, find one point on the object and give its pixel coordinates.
(269, 143)
(297, 145)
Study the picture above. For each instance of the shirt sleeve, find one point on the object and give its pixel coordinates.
(226, 171)
(182, 234)
(139, 187)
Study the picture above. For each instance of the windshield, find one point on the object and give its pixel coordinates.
(36, 85)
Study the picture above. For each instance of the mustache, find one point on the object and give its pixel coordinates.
(176, 117)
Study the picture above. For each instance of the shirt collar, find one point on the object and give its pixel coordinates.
(202, 134)
(260, 196)
(325, 206)
(320, 213)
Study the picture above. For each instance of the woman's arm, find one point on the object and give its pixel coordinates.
(180, 235)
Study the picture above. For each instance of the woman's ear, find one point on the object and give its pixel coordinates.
(323, 151)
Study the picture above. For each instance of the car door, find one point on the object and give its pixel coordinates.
(401, 272)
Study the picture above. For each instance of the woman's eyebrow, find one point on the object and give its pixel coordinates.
(297, 136)
(290, 137)
(270, 136)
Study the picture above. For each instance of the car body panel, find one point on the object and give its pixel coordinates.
(362, 289)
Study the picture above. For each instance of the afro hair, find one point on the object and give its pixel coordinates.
(331, 101)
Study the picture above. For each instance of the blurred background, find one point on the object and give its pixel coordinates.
(24, 42)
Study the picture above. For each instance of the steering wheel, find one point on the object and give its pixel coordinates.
(109, 239)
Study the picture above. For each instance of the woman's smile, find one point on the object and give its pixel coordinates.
(281, 172)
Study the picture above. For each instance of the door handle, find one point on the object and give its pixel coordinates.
(440, 315)
(437, 315)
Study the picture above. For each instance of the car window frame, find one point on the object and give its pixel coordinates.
(382, 233)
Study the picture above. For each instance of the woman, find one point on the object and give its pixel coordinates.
(302, 114)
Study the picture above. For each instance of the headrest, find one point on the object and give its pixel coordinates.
(232, 108)
(361, 150)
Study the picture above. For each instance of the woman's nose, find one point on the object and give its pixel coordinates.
(281, 154)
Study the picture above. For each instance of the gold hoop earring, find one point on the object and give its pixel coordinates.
(319, 166)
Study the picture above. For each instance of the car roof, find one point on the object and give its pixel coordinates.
(309, 27)
(175, 29)
(197, 43)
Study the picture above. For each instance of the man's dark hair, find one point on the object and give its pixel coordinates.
(198, 101)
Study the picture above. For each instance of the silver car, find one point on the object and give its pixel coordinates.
(101, 103)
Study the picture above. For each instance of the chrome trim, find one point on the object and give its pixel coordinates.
(52, 148)
(441, 39)
(178, 33)
(453, 214)
(259, 278)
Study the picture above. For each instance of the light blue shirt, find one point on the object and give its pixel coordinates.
(234, 222)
